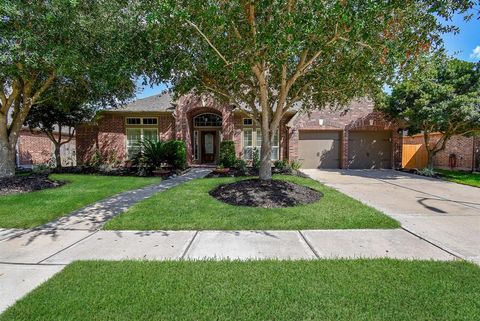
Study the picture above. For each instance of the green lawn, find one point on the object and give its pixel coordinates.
(36, 208)
(189, 206)
(256, 290)
(466, 178)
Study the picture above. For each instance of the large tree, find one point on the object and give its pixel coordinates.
(441, 96)
(70, 102)
(267, 56)
(100, 42)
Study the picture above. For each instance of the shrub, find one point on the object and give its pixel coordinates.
(241, 165)
(426, 172)
(96, 160)
(227, 153)
(256, 158)
(295, 165)
(176, 153)
(281, 165)
(153, 153)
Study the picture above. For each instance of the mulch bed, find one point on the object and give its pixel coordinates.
(251, 172)
(24, 184)
(265, 194)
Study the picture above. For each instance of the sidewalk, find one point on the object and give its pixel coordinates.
(29, 259)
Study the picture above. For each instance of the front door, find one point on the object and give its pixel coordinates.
(209, 147)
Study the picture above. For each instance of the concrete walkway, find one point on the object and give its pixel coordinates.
(443, 213)
(29, 257)
(23, 253)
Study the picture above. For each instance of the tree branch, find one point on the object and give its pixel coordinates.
(44, 87)
(208, 41)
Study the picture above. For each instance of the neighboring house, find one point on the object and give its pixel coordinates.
(354, 137)
(35, 148)
(460, 153)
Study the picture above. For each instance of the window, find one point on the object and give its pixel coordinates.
(247, 144)
(207, 120)
(250, 137)
(142, 121)
(195, 144)
(135, 137)
(275, 147)
(247, 122)
(150, 121)
(134, 120)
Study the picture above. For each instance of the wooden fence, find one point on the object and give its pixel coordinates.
(414, 155)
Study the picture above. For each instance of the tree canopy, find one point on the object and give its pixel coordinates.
(267, 56)
(442, 95)
(99, 42)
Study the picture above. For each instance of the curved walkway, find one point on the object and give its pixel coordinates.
(30, 257)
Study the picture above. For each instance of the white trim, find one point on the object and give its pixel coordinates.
(141, 136)
(243, 122)
(221, 119)
(254, 142)
(141, 121)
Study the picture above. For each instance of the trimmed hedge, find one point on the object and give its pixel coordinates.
(227, 153)
(176, 153)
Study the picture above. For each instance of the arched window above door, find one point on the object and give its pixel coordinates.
(207, 120)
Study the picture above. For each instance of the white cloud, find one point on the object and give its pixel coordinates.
(475, 53)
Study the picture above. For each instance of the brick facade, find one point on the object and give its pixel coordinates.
(465, 149)
(359, 115)
(37, 149)
(188, 107)
(107, 137)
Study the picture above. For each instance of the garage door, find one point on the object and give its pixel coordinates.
(370, 149)
(319, 149)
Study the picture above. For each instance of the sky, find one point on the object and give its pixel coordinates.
(464, 45)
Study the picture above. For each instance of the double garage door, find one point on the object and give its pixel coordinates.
(366, 149)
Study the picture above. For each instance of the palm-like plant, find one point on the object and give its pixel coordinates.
(152, 154)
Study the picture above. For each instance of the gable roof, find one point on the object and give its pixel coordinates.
(158, 103)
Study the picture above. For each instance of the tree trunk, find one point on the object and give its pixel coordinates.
(58, 159)
(7, 150)
(7, 158)
(265, 171)
(430, 156)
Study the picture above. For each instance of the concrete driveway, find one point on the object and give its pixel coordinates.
(443, 213)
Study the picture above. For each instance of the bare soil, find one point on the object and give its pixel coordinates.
(24, 184)
(265, 194)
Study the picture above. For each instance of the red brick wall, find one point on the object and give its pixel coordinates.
(35, 148)
(462, 147)
(356, 116)
(111, 138)
(108, 136)
(86, 142)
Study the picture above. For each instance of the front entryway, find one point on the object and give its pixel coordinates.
(209, 146)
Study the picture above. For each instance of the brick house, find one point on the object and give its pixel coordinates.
(355, 137)
(35, 148)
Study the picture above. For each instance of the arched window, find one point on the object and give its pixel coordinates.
(207, 120)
